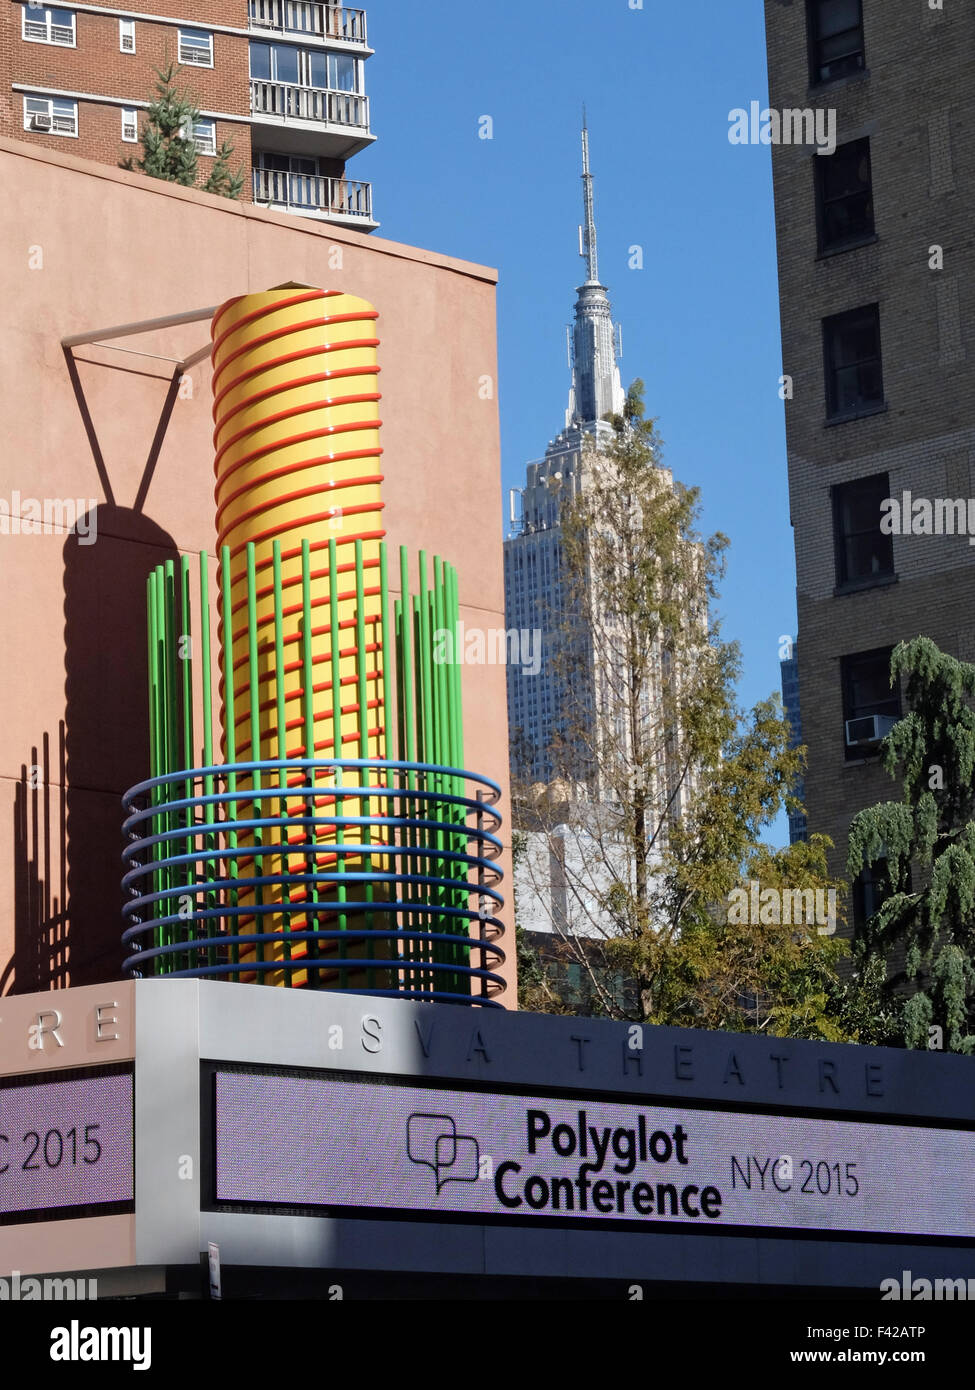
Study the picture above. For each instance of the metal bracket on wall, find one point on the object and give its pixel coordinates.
(100, 336)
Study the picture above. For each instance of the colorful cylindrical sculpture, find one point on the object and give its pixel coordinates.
(340, 843)
(297, 464)
(298, 458)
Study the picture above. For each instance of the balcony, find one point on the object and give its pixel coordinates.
(308, 19)
(312, 195)
(312, 120)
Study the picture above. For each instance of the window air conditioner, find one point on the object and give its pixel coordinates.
(871, 728)
(40, 122)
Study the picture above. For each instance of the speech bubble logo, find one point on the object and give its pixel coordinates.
(432, 1142)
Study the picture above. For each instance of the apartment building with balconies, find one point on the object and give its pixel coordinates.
(282, 80)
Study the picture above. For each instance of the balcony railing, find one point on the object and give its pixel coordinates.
(313, 193)
(309, 18)
(287, 102)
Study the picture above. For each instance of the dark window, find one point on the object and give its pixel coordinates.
(835, 39)
(870, 887)
(863, 553)
(870, 706)
(844, 196)
(854, 376)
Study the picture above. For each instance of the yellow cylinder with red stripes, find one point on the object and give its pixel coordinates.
(297, 459)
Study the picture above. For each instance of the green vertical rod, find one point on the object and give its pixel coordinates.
(422, 803)
(308, 721)
(462, 756)
(423, 660)
(164, 762)
(461, 897)
(230, 735)
(254, 702)
(206, 656)
(451, 924)
(386, 646)
(408, 747)
(425, 654)
(282, 747)
(457, 751)
(362, 699)
(186, 645)
(153, 742)
(407, 662)
(336, 662)
(184, 652)
(402, 802)
(457, 725)
(438, 687)
(172, 741)
(159, 585)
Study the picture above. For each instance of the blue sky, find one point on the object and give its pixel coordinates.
(700, 320)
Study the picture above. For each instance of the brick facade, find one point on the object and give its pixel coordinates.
(103, 79)
(915, 101)
(97, 67)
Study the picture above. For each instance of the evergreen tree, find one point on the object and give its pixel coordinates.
(932, 828)
(168, 148)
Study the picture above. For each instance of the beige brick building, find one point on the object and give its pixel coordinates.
(876, 255)
(281, 80)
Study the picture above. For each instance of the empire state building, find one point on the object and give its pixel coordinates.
(534, 591)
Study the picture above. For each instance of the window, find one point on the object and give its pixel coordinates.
(42, 25)
(870, 706)
(844, 196)
(130, 125)
(835, 39)
(863, 553)
(870, 887)
(298, 67)
(854, 378)
(51, 114)
(196, 46)
(126, 35)
(205, 136)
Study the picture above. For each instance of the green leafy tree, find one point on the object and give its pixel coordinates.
(662, 785)
(928, 835)
(168, 149)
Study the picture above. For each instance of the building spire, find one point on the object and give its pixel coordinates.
(596, 388)
(587, 247)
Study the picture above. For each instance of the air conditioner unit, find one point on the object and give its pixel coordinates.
(40, 122)
(871, 728)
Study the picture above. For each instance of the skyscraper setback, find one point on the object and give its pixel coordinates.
(281, 80)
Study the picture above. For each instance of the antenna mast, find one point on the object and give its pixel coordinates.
(589, 254)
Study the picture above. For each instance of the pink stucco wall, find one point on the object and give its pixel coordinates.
(86, 246)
